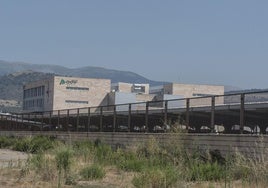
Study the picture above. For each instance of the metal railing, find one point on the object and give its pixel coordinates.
(234, 112)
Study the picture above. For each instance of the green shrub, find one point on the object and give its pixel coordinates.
(128, 160)
(92, 172)
(63, 162)
(6, 142)
(134, 165)
(23, 144)
(43, 166)
(33, 144)
(84, 149)
(103, 154)
(207, 171)
(156, 178)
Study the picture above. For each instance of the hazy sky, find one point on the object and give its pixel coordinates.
(186, 41)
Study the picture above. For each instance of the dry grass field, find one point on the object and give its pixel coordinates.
(47, 163)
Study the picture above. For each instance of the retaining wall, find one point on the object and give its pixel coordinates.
(253, 145)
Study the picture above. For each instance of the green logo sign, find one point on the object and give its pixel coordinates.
(62, 82)
(67, 82)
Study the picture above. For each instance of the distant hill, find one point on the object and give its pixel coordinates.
(11, 86)
(13, 75)
(85, 72)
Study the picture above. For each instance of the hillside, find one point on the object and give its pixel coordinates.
(86, 72)
(11, 87)
(13, 75)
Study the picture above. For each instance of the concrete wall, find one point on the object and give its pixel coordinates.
(70, 92)
(190, 91)
(96, 93)
(144, 97)
(227, 144)
(48, 95)
(127, 87)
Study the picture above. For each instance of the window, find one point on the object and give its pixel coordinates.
(201, 95)
(34, 92)
(138, 88)
(78, 88)
(77, 102)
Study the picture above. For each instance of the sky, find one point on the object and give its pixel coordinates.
(181, 41)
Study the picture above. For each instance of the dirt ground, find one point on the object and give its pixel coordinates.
(9, 158)
(11, 163)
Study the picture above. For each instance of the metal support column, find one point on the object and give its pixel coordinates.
(77, 119)
(58, 123)
(242, 112)
(42, 121)
(22, 127)
(49, 121)
(165, 115)
(101, 112)
(146, 116)
(30, 127)
(88, 121)
(67, 120)
(129, 117)
(187, 114)
(114, 118)
(212, 120)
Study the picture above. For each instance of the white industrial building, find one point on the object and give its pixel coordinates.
(58, 93)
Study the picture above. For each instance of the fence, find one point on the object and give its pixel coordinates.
(232, 113)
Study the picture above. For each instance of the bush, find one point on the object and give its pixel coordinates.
(84, 149)
(63, 162)
(128, 161)
(207, 171)
(33, 144)
(103, 154)
(43, 166)
(156, 177)
(134, 165)
(92, 172)
(6, 142)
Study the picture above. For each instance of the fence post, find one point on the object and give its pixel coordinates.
(49, 121)
(146, 116)
(77, 119)
(187, 113)
(16, 119)
(88, 120)
(129, 117)
(67, 120)
(30, 127)
(212, 122)
(58, 124)
(42, 121)
(101, 111)
(114, 118)
(22, 126)
(166, 109)
(242, 112)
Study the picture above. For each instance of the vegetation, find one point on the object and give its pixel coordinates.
(151, 164)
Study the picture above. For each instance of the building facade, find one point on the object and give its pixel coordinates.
(57, 93)
(181, 91)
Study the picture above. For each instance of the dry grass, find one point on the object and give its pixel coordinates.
(41, 169)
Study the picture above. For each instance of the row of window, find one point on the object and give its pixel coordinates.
(78, 88)
(76, 102)
(33, 103)
(34, 92)
(201, 95)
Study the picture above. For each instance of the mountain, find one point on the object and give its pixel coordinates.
(86, 72)
(13, 75)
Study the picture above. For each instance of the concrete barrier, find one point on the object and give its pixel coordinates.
(226, 144)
